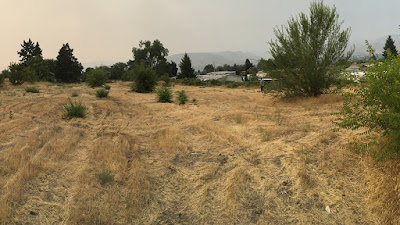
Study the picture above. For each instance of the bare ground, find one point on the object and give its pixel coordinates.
(234, 156)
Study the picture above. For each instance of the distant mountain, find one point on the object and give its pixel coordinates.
(201, 59)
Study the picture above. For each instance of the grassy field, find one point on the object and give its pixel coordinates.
(233, 156)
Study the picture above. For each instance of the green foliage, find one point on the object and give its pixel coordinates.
(150, 54)
(118, 70)
(375, 105)
(32, 89)
(166, 80)
(105, 177)
(74, 109)
(74, 94)
(40, 68)
(389, 46)
(102, 93)
(2, 76)
(29, 50)
(247, 65)
(96, 77)
(309, 52)
(107, 87)
(68, 68)
(187, 70)
(19, 73)
(144, 79)
(208, 68)
(164, 94)
(182, 97)
(233, 85)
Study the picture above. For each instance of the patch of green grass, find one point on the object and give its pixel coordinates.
(74, 94)
(74, 109)
(32, 89)
(102, 93)
(107, 87)
(105, 177)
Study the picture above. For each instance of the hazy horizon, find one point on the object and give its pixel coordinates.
(102, 31)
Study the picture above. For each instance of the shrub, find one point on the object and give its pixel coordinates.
(32, 89)
(96, 77)
(74, 109)
(102, 93)
(2, 76)
(182, 97)
(107, 87)
(16, 75)
(105, 177)
(166, 80)
(375, 106)
(233, 85)
(164, 94)
(144, 79)
(74, 94)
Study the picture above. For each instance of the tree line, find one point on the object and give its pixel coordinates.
(66, 67)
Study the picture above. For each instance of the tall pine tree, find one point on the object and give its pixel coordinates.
(68, 69)
(389, 45)
(187, 70)
(29, 50)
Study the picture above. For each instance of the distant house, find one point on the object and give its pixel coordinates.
(221, 76)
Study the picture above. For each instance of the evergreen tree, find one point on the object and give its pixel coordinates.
(29, 50)
(173, 69)
(68, 69)
(187, 70)
(248, 64)
(389, 45)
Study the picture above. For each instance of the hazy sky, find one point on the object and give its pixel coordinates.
(106, 31)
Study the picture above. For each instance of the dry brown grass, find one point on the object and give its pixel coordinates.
(236, 156)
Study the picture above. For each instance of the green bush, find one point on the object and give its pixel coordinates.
(375, 105)
(2, 76)
(105, 177)
(74, 109)
(96, 77)
(32, 89)
(107, 87)
(164, 94)
(74, 94)
(144, 79)
(102, 93)
(166, 80)
(182, 97)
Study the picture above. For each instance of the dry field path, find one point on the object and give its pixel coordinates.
(234, 156)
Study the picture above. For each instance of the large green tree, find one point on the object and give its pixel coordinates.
(187, 70)
(389, 45)
(150, 54)
(29, 50)
(68, 68)
(309, 52)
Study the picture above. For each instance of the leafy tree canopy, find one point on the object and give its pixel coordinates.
(309, 52)
(149, 53)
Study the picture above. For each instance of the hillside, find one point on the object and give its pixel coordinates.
(234, 156)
